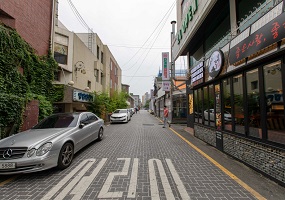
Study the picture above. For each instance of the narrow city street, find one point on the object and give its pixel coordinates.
(142, 160)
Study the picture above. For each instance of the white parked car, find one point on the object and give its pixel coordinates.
(227, 115)
(120, 115)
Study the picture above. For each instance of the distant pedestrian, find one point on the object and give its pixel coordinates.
(165, 117)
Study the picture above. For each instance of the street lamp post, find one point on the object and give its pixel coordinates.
(172, 65)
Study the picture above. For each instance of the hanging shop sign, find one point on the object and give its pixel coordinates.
(166, 85)
(216, 62)
(82, 96)
(197, 74)
(269, 34)
(165, 66)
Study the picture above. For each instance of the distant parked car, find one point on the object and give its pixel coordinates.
(227, 115)
(120, 115)
(51, 143)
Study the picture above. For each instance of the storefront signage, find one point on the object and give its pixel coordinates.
(166, 86)
(270, 33)
(82, 96)
(189, 17)
(165, 66)
(216, 62)
(197, 74)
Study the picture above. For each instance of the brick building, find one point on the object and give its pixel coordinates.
(32, 20)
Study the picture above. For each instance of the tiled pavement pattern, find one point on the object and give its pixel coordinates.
(142, 138)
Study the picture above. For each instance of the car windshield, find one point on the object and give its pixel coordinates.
(120, 111)
(58, 121)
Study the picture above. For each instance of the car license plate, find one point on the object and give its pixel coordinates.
(7, 165)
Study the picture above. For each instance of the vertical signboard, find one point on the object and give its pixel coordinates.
(219, 134)
(166, 86)
(165, 66)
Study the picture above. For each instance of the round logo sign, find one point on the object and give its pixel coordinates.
(215, 63)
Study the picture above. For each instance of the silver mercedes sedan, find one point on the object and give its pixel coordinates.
(51, 143)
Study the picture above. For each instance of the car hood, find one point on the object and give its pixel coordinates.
(119, 115)
(32, 137)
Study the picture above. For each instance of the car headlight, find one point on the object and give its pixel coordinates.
(31, 152)
(44, 149)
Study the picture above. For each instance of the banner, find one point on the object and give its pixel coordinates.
(166, 86)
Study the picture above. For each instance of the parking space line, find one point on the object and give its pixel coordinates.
(231, 175)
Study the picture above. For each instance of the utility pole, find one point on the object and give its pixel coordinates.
(172, 65)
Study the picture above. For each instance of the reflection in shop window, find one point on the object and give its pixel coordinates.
(238, 104)
(275, 104)
(196, 106)
(200, 105)
(206, 106)
(227, 105)
(212, 103)
(253, 104)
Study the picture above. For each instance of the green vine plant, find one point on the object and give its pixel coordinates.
(24, 76)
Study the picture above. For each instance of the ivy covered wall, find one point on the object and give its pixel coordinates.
(23, 76)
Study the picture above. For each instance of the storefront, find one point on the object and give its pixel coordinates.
(74, 100)
(239, 99)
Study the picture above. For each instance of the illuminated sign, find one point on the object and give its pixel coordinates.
(216, 63)
(165, 66)
(82, 96)
(197, 74)
(166, 86)
(272, 32)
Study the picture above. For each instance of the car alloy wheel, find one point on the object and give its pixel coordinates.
(65, 156)
(100, 134)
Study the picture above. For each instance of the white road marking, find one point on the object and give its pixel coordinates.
(86, 181)
(104, 191)
(179, 184)
(56, 188)
(134, 179)
(153, 181)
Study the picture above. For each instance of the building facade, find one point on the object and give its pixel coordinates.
(33, 20)
(235, 92)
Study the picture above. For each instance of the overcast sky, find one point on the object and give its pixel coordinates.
(136, 32)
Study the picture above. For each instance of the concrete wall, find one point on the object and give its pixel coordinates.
(31, 19)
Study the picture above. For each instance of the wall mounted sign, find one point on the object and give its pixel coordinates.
(197, 74)
(82, 96)
(270, 33)
(165, 66)
(216, 62)
(166, 86)
(189, 17)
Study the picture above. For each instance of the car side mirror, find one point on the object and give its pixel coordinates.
(81, 125)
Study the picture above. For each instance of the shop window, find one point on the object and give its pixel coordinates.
(200, 105)
(212, 104)
(238, 104)
(227, 111)
(253, 104)
(196, 106)
(275, 105)
(207, 111)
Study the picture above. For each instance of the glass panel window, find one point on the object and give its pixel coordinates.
(238, 104)
(212, 104)
(60, 53)
(206, 106)
(196, 106)
(200, 105)
(275, 104)
(253, 103)
(227, 113)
